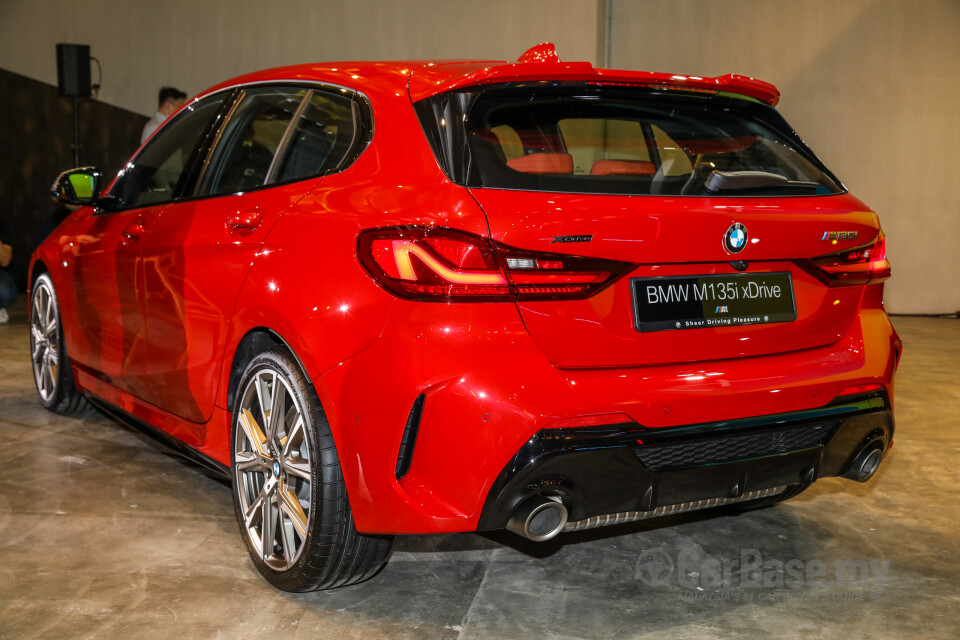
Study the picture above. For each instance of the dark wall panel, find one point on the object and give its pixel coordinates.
(36, 134)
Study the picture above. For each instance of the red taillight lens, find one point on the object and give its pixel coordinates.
(859, 265)
(428, 263)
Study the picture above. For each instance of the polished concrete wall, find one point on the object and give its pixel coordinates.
(872, 85)
(193, 45)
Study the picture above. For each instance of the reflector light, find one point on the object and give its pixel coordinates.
(591, 421)
(857, 266)
(861, 388)
(439, 264)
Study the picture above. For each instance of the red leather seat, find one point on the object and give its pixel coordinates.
(547, 162)
(623, 168)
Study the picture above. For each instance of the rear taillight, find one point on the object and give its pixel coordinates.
(856, 266)
(439, 264)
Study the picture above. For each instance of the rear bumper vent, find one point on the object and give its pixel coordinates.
(405, 454)
(697, 453)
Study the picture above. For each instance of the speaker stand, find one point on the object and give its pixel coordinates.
(76, 131)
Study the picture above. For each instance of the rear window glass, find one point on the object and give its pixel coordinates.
(620, 140)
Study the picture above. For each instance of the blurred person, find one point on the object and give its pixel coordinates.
(168, 101)
(8, 288)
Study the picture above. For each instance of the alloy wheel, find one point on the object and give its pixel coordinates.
(272, 469)
(45, 341)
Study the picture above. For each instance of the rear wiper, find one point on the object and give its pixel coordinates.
(739, 180)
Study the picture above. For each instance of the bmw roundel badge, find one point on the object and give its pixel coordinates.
(735, 239)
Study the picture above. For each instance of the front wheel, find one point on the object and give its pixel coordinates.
(52, 375)
(288, 488)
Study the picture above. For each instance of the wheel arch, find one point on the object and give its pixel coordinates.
(255, 341)
(37, 268)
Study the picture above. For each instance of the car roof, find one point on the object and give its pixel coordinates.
(425, 78)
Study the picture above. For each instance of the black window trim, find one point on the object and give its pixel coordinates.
(364, 125)
(287, 134)
(111, 203)
(236, 99)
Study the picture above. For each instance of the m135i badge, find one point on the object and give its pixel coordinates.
(735, 239)
(839, 235)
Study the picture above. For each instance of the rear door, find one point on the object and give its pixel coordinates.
(110, 297)
(200, 249)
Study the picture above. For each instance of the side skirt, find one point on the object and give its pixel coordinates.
(167, 443)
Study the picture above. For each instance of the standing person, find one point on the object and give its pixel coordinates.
(8, 288)
(168, 101)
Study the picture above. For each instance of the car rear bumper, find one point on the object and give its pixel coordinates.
(627, 468)
(481, 391)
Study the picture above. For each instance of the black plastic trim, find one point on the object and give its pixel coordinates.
(167, 441)
(409, 441)
(596, 471)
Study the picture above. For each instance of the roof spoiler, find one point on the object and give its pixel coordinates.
(541, 62)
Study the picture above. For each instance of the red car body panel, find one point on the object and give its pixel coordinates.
(157, 300)
(599, 332)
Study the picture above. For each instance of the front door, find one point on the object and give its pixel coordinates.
(111, 304)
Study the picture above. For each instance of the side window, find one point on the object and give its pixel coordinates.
(159, 171)
(325, 138)
(244, 152)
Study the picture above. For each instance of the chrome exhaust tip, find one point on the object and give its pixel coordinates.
(865, 465)
(539, 518)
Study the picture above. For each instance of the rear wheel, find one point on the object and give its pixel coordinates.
(52, 374)
(288, 488)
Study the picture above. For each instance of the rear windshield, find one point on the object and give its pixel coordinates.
(623, 140)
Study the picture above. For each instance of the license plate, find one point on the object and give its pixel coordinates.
(696, 302)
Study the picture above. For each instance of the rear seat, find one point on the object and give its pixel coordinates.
(546, 162)
(623, 168)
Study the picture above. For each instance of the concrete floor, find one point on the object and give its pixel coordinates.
(104, 536)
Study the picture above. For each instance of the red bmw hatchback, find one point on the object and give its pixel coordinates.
(407, 297)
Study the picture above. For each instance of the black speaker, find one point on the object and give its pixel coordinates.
(73, 70)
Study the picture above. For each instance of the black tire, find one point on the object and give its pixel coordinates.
(317, 546)
(52, 374)
(762, 503)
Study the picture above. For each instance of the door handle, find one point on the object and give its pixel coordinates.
(244, 222)
(132, 232)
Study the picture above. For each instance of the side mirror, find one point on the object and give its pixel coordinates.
(77, 186)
